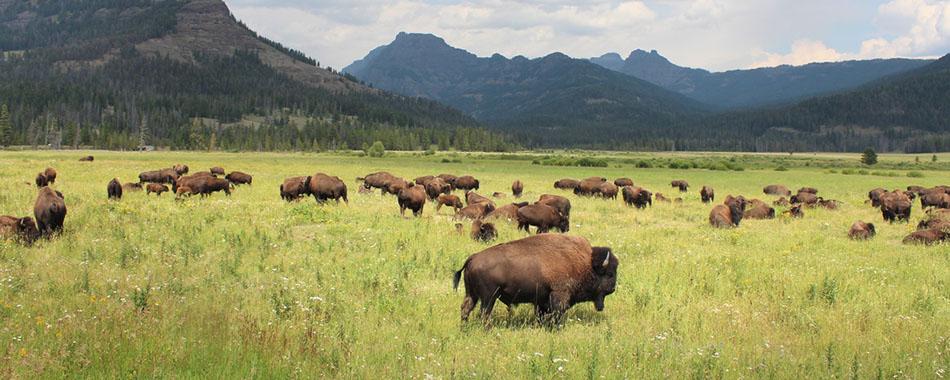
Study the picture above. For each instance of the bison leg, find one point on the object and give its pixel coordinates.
(559, 303)
(468, 304)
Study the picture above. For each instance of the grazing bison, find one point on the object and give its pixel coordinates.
(680, 184)
(87, 159)
(50, 174)
(132, 186)
(517, 188)
(777, 190)
(436, 187)
(931, 198)
(204, 186)
(927, 237)
(861, 231)
(507, 212)
(707, 194)
(566, 184)
(472, 197)
(168, 176)
(184, 192)
(542, 216)
(621, 182)
(424, 179)
(448, 200)
(239, 178)
(324, 187)
(22, 230)
(41, 180)
(782, 202)
(114, 189)
(49, 211)
(590, 186)
(181, 169)
(662, 198)
(608, 190)
(396, 185)
(759, 211)
(637, 197)
(552, 272)
(378, 180)
(936, 218)
(449, 179)
(475, 210)
(561, 204)
(466, 182)
(413, 198)
(807, 199)
(294, 188)
(794, 212)
(875, 196)
(895, 206)
(829, 204)
(156, 188)
(217, 170)
(810, 190)
(483, 232)
(728, 214)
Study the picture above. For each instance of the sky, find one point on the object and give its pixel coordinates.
(716, 35)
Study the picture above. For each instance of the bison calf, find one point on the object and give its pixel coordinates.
(543, 217)
(707, 194)
(861, 231)
(552, 272)
(239, 178)
(156, 188)
(448, 200)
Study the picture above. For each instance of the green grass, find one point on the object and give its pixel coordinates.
(250, 286)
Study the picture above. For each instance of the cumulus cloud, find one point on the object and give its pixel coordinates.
(713, 34)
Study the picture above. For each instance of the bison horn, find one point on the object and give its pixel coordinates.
(606, 260)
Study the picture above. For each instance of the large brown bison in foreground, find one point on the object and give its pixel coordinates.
(543, 217)
(729, 213)
(294, 188)
(49, 211)
(777, 190)
(22, 230)
(552, 272)
(114, 189)
(324, 187)
(861, 231)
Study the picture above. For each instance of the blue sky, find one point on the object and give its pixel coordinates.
(712, 34)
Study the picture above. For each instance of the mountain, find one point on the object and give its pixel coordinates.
(550, 101)
(756, 87)
(907, 112)
(187, 74)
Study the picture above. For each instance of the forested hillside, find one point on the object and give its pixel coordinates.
(119, 74)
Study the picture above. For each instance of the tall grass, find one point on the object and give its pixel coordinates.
(251, 286)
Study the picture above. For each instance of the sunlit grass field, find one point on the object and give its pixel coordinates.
(250, 286)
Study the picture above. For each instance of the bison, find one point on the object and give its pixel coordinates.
(861, 231)
(728, 214)
(413, 198)
(132, 186)
(183, 192)
(707, 194)
(805, 198)
(448, 200)
(181, 169)
(680, 184)
(875, 196)
(810, 190)
(324, 187)
(507, 212)
(589, 186)
(87, 159)
(552, 272)
(517, 188)
(608, 190)
(396, 185)
(794, 212)
(662, 198)
(566, 184)
(561, 204)
(475, 210)
(22, 230)
(472, 197)
(621, 182)
(41, 180)
(239, 178)
(466, 182)
(777, 190)
(759, 211)
(114, 189)
(483, 232)
(435, 187)
(934, 198)
(156, 188)
(294, 188)
(637, 197)
(424, 179)
(895, 206)
(449, 179)
(782, 202)
(50, 174)
(543, 217)
(49, 211)
(217, 170)
(168, 176)
(378, 180)
(927, 237)
(204, 186)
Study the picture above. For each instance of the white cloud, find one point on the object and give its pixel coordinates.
(803, 52)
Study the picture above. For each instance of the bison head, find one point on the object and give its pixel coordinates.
(26, 230)
(604, 265)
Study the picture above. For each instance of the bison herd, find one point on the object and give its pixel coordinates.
(550, 271)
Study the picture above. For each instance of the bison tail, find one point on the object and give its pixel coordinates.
(458, 275)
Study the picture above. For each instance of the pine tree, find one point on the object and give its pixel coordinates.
(6, 133)
(869, 157)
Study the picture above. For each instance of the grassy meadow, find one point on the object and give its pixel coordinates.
(250, 286)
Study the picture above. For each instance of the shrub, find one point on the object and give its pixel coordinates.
(376, 150)
(848, 172)
(784, 169)
(643, 164)
(915, 174)
(869, 157)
